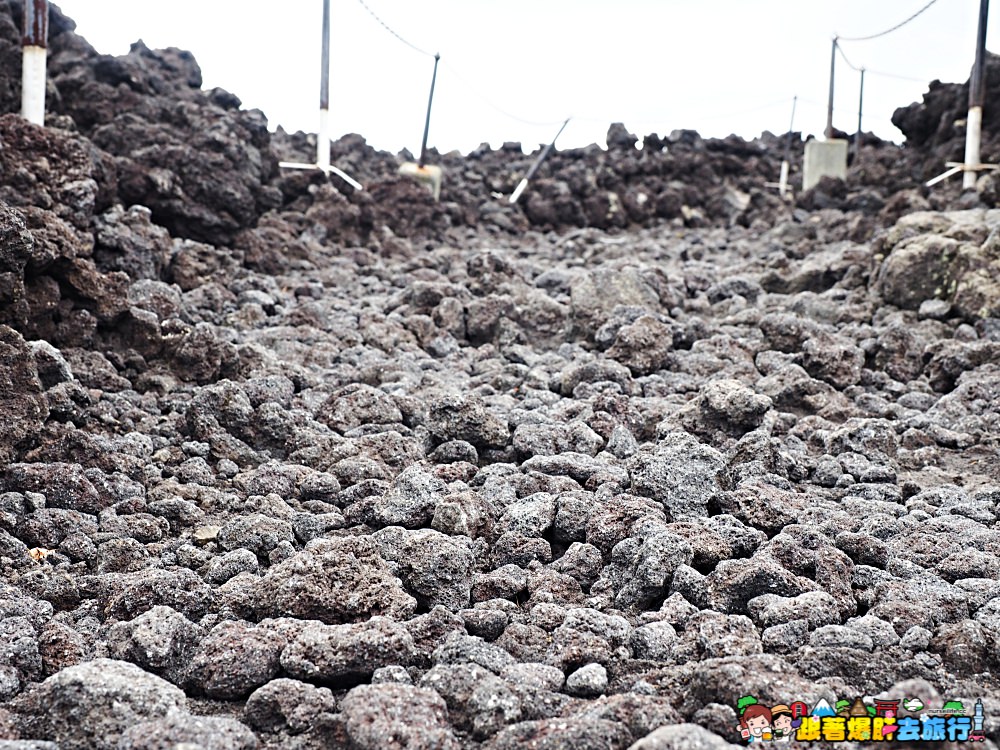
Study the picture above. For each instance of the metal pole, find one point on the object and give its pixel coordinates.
(861, 101)
(538, 162)
(34, 38)
(427, 121)
(829, 106)
(977, 95)
(783, 179)
(323, 137)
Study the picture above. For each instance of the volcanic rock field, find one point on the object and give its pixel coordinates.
(290, 466)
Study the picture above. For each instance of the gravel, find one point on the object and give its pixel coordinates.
(290, 465)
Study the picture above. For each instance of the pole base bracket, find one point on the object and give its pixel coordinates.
(955, 167)
(429, 175)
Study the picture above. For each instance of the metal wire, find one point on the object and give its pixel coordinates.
(475, 91)
(850, 65)
(472, 87)
(899, 25)
(392, 31)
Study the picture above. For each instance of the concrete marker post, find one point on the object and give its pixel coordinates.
(977, 97)
(34, 40)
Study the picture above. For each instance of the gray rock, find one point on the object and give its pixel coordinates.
(184, 730)
(460, 649)
(23, 405)
(392, 673)
(588, 681)
(437, 569)
(346, 654)
(529, 516)
(410, 501)
(840, 636)
(582, 561)
(130, 594)
(535, 675)
(649, 570)
(833, 359)
(358, 404)
(287, 705)
(881, 632)
(234, 659)
(394, 717)
(680, 472)
(643, 346)
(479, 702)
(543, 439)
(550, 734)
(91, 705)
(231, 564)
(786, 637)
(334, 581)
(256, 532)
(466, 417)
(916, 639)
(159, 640)
(682, 737)
(654, 641)
(817, 608)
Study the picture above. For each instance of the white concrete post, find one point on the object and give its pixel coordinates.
(35, 32)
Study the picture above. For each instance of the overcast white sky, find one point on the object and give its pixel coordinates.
(716, 66)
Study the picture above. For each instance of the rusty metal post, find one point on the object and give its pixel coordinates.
(34, 38)
(323, 137)
(977, 96)
(427, 121)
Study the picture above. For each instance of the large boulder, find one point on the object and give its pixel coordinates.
(952, 256)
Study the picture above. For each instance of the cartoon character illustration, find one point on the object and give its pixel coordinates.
(755, 723)
(783, 724)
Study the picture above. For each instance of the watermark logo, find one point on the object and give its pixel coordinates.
(860, 720)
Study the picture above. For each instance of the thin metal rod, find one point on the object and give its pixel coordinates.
(427, 120)
(791, 128)
(537, 163)
(977, 85)
(324, 70)
(861, 103)
(977, 96)
(829, 106)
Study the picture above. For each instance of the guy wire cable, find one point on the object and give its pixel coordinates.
(392, 31)
(899, 25)
(454, 70)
